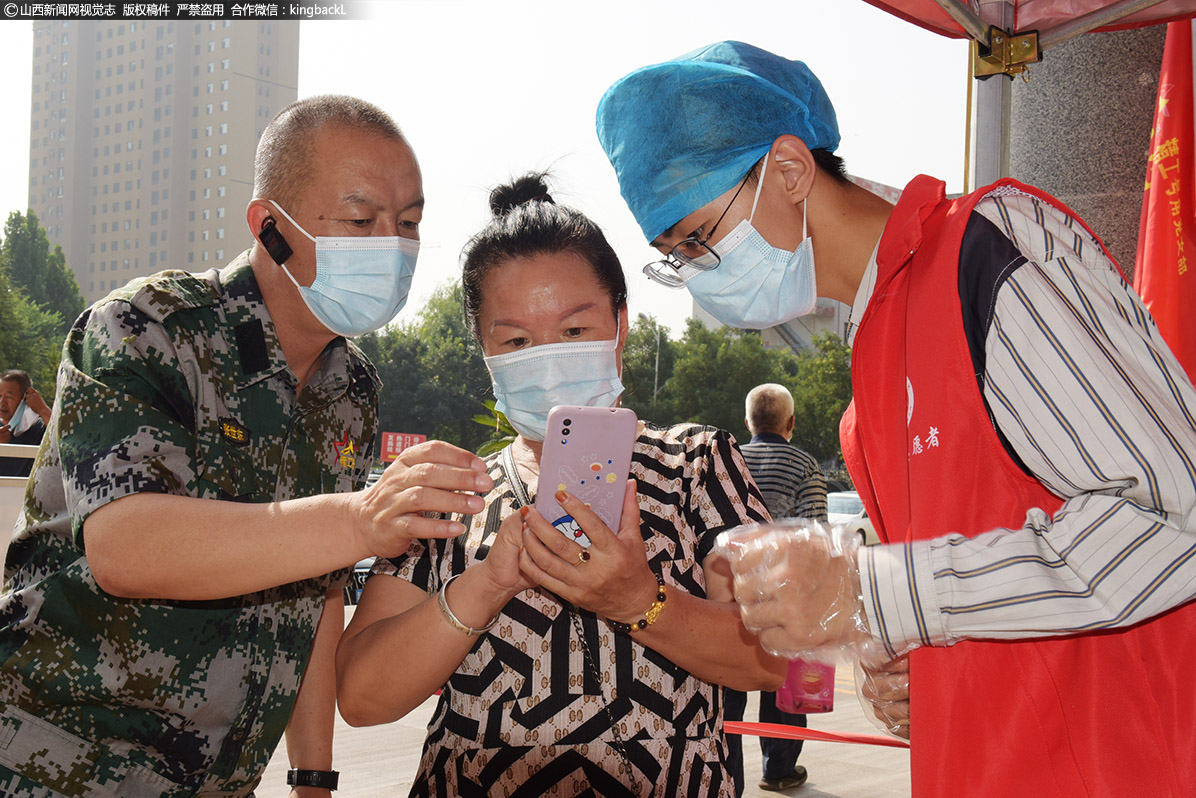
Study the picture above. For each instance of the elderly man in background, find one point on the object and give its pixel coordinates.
(794, 487)
(790, 479)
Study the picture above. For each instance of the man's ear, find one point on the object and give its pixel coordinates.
(795, 164)
(256, 215)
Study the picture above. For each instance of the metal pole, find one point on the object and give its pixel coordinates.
(656, 371)
(967, 132)
(1091, 21)
(991, 103)
(972, 25)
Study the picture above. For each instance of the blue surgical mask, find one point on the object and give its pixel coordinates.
(361, 281)
(17, 414)
(756, 285)
(530, 382)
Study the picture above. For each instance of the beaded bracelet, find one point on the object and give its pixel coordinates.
(650, 617)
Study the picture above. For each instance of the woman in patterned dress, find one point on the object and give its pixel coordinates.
(545, 691)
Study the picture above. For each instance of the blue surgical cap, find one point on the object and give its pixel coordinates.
(681, 133)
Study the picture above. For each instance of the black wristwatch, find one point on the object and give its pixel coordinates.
(325, 779)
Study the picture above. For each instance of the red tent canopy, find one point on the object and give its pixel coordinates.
(1040, 15)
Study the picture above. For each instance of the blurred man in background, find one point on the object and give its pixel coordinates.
(23, 419)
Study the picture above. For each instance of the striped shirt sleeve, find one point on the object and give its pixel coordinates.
(1083, 387)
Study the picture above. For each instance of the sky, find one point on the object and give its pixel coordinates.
(485, 91)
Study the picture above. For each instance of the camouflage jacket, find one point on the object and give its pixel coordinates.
(174, 384)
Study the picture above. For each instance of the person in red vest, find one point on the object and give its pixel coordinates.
(1023, 438)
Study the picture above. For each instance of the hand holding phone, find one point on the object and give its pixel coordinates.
(587, 452)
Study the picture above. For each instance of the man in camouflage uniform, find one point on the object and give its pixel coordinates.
(175, 576)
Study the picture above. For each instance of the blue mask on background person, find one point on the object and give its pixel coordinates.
(18, 415)
(530, 382)
(361, 282)
(756, 285)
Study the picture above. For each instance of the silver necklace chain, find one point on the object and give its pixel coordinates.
(610, 715)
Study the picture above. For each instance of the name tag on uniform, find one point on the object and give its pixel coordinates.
(233, 432)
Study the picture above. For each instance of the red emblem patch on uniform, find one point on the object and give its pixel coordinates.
(346, 454)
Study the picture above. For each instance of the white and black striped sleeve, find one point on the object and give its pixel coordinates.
(1092, 402)
(724, 495)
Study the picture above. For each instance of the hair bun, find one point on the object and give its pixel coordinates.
(531, 187)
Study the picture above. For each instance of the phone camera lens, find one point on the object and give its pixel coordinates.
(565, 431)
(568, 421)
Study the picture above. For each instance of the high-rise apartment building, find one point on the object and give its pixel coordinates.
(142, 139)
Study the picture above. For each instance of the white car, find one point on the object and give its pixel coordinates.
(846, 508)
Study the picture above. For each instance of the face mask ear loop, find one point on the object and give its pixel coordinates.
(759, 185)
(287, 272)
(287, 216)
(283, 266)
(805, 205)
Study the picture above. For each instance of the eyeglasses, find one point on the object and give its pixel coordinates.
(690, 255)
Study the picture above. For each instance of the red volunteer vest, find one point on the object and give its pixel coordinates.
(1100, 714)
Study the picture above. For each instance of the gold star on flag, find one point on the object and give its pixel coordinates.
(1165, 89)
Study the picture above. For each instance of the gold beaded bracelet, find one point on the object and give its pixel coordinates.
(650, 617)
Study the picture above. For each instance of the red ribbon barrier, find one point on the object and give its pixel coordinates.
(798, 733)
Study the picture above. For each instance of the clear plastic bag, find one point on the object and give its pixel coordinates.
(883, 691)
(797, 583)
(798, 587)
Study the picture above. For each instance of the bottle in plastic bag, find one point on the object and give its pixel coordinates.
(808, 688)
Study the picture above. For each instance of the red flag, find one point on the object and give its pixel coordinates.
(1165, 236)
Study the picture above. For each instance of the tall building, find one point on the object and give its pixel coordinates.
(142, 139)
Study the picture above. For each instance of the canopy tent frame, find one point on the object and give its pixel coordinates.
(1000, 48)
(997, 50)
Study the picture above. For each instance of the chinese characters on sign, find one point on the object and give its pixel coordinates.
(1166, 158)
(1167, 232)
(393, 443)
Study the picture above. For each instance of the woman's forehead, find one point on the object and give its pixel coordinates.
(558, 272)
(554, 285)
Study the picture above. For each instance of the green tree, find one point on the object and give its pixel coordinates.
(456, 374)
(38, 270)
(398, 357)
(705, 376)
(648, 358)
(29, 338)
(821, 392)
(715, 369)
(434, 380)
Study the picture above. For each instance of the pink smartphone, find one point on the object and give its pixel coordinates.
(587, 452)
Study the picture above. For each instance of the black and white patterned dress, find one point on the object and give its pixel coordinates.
(525, 714)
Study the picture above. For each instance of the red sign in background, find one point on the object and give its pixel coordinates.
(395, 442)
